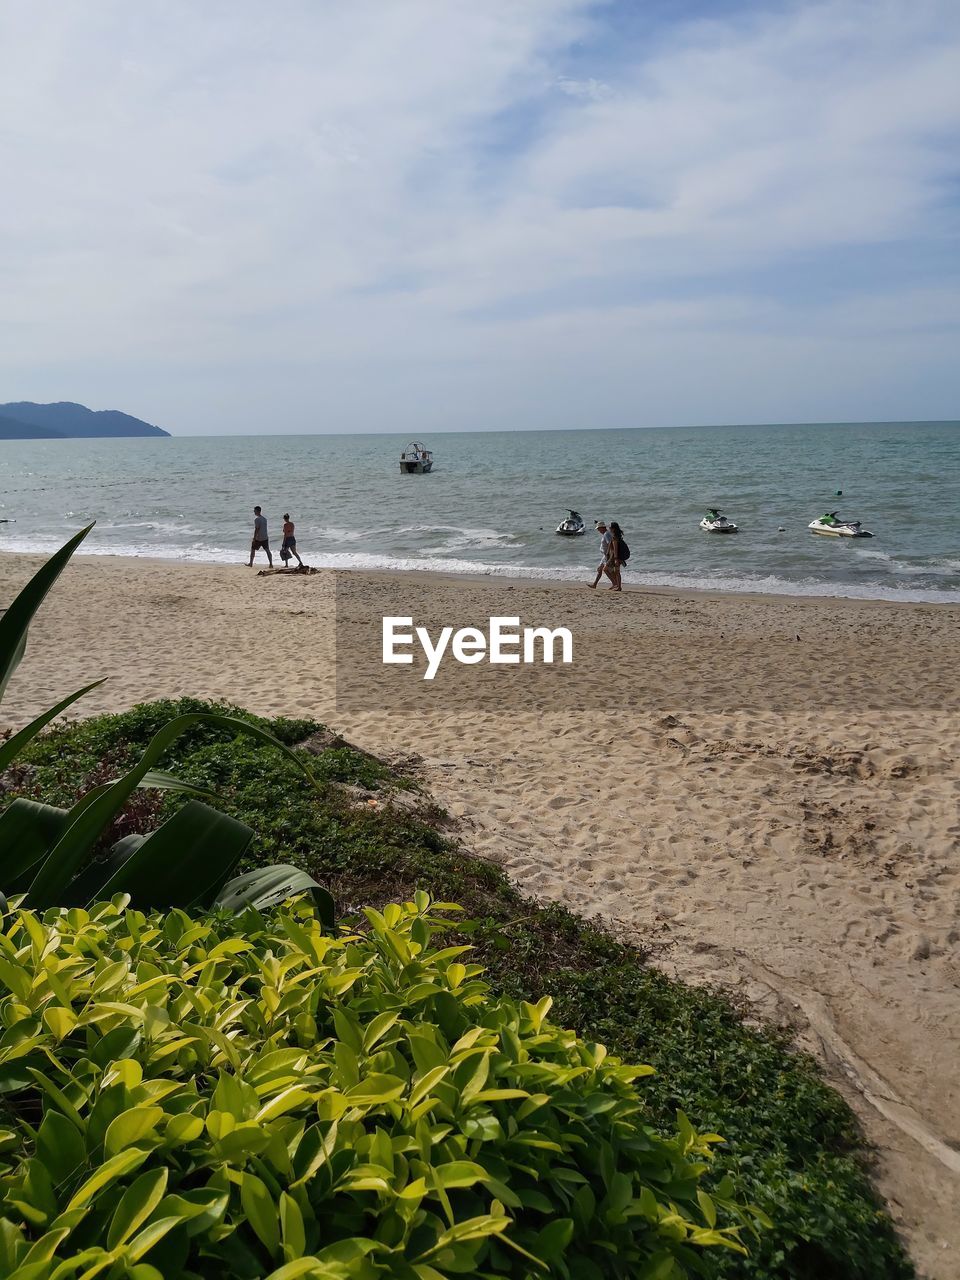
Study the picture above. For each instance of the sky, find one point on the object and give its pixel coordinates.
(437, 215)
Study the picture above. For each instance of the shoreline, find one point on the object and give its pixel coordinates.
(33, 558)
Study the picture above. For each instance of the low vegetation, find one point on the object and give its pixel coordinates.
(185, 1099)
(791, 1146)
(45, 849)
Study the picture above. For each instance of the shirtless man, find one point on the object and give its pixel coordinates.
(290, 540)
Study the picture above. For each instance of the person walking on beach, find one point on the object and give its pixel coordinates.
(606, 542)
(260, 538)
(289, 545)
(619, 553)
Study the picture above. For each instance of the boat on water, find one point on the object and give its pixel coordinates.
(573, 526)
(834, 526)
(714, 522)
(416, 459)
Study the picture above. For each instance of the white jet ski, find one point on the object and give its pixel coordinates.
(835, 526)
(573, 526)
(714, 522)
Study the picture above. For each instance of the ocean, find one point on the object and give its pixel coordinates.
(493, 501)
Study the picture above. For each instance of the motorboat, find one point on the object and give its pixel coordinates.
(573, 526)
(714, 522)
(834, 526)
(416, 459)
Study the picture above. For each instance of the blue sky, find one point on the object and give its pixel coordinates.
(434, 214)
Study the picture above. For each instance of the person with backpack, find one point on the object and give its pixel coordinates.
(619, 555)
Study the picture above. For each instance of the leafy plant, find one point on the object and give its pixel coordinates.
(45, 851)
(180, 1100)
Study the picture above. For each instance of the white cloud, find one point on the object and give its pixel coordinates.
(443, 211)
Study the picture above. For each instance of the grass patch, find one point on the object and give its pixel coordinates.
(792, 1144)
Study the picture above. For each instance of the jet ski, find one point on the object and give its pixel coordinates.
(834, 526)
(572, 526)
(714, 522)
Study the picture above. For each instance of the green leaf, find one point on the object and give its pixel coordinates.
(131, 1127)
(291, 1227)
(27, 833)
(376, 1088)
(150, 1236)
(270, 887)
(182, 863)
(15, 622)
(60, 1146)
(304, 1267)
(425, 1083)
(12, 1246)
(552, 1241)
(199, 1210)
(458, 1173)
(287, 1100)
(45, 1248)
(136, 1205)
(10, 749)
(477, 1228)
(707, 1208)
(161, 780)
(15, 978)
(28, 829)
(116, 1167)
(378, 1028)
(261, 1211)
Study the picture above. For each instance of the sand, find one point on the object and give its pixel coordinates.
(764, 791)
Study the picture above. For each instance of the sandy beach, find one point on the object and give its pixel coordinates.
(764, 791)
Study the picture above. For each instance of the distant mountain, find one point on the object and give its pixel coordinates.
(11, 429)
(23, 420)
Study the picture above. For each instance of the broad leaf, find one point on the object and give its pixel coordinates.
(10, 749)
(77, 841)
(15, 622)
(183, 863)
(270, 886)
(27, 830)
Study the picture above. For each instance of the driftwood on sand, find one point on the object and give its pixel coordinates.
(302, 570)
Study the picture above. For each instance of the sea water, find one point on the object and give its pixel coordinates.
(493, 501)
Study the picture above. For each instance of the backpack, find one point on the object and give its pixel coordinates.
(624, 551)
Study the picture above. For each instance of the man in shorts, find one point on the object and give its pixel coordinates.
(260, 539)
(289, 547)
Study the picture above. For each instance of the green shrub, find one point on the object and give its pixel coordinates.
(793, 1147)
(177, 1100)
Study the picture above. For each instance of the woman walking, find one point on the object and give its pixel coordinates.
(619, 552)
(606, 541)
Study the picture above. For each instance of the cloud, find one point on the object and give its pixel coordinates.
(461, 215)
